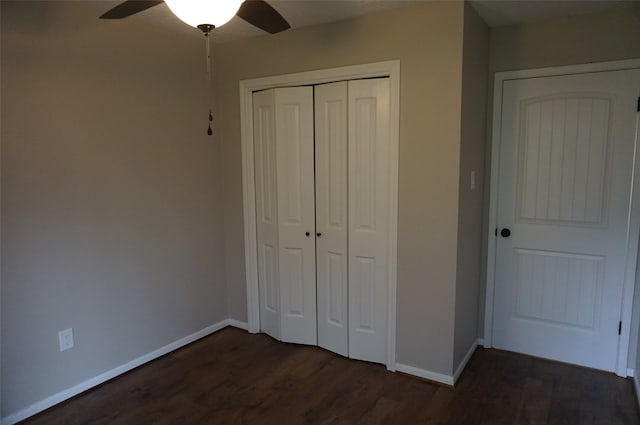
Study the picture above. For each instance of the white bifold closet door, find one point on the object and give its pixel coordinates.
(283, 135)
(369, 203)
(344, 258)
(331, 217)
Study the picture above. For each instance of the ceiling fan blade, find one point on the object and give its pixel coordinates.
(263, 16)
(129, 7)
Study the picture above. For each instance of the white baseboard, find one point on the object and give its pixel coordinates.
(465, 360)
(426, 374)
(97, 380)
(238, 324)
(440, 377)
(636, 384)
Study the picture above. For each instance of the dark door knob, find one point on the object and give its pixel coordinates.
(318, 234)
(505, 233)
(307, 234)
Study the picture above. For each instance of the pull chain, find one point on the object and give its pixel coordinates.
(208, 59)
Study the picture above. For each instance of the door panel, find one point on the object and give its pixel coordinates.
(296, 213)
(267, 211)
(566, 161)
(368, 175)
(331, 215)
(558, 288)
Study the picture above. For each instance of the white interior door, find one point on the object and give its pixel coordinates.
(331, 216)
(296, 213)
(283, 139)
(566, 164)
(264, 137)
(368, 212)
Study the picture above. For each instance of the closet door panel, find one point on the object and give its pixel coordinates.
(296, 213)
(368, 156)
(331, 216)
(264, 138)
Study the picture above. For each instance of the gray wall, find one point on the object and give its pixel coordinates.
(427, 38)
(112, 218)
(580, 39)
(475, 68)
(567, 41)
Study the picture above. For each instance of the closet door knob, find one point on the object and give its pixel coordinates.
(318, 234)
(307, 234)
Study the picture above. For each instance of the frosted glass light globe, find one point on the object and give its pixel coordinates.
(204, 12)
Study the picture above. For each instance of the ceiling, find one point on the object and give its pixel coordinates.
(300, 13)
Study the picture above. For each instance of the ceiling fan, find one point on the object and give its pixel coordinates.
(207, 15)
(256, 12)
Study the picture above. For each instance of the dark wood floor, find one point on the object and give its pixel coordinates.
(232, 377)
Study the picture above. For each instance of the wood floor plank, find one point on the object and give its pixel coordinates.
(232, 377)
(535, 402)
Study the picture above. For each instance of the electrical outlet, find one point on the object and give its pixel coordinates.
(65, 338)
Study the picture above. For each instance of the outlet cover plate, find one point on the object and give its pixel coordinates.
(65, 338)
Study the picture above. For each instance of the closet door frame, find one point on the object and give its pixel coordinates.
(390, 69)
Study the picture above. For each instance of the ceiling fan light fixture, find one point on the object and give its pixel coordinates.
(204, 12)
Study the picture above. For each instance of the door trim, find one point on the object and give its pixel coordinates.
(390, 69)
(633, 228)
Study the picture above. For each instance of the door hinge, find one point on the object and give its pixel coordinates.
(620, 328)
(638, 109)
